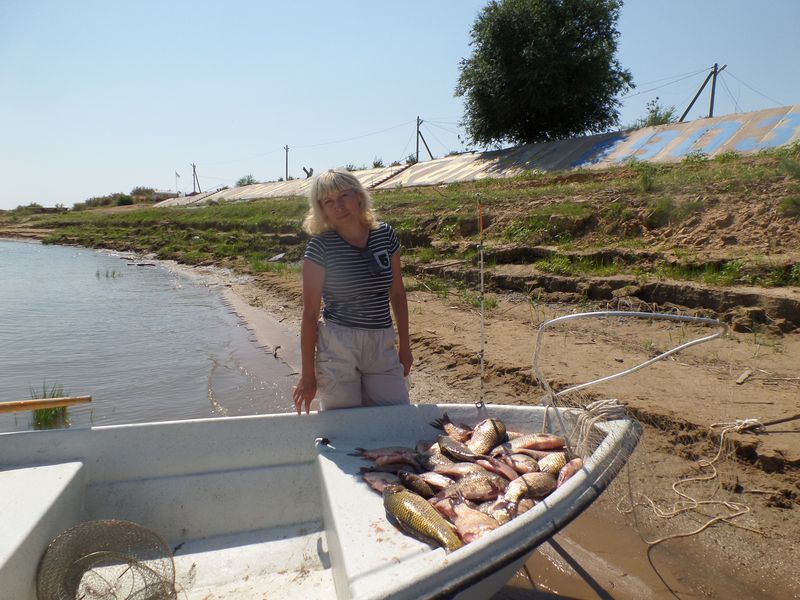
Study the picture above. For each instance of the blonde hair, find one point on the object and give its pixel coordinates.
(327, 184)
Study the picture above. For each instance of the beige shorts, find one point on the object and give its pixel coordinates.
(358, 367)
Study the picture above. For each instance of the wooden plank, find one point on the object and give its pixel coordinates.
(38, 403)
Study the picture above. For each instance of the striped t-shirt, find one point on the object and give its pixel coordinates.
(357, 282)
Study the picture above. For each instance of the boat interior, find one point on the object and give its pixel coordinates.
(251, 506)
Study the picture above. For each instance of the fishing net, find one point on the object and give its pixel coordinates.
(107, 560)
(675, 503)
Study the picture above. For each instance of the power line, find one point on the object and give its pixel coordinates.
(778, 102)
(227, 162)
(442, 128)
(730, 95)
(358, 137)
(660, 86)
(446, 149)
(673, 76)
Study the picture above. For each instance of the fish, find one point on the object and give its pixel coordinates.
(552, 463)
(416, 516)
(476, 487)
(460, 433)
(497, 466)
(378, 480)
(535, 441)
(377, 452)
(415, 483)
(459, 469)
(456, 450)
(500, 510)
(469, 522)
(486, 435)
(530, 485)
(521, 463)
(525, 505)
(436, 480)
(424, 446)
(430, 460)
(398, 459)
(568, 470)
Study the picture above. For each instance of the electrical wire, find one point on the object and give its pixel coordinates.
(736, 106)
(778, 102)
(673, 76)
(428, 130)
(227, 162)
(358, 137)
(658, 87)
(442, 128)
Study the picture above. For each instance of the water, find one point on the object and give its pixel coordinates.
(147, 344)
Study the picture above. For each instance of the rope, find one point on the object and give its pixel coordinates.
(688, 503)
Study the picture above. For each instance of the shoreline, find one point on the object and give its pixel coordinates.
(600, 554)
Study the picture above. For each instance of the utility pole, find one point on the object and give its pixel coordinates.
(195, 179)
(420, 136)
(714, 72)
(419, 121)
(286, 147)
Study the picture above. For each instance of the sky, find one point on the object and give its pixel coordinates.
(100, 97)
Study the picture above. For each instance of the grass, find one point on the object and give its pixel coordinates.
(49, 418)
(571, 210)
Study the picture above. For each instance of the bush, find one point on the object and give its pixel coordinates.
(124, 200)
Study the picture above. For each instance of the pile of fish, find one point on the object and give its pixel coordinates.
(469, 481)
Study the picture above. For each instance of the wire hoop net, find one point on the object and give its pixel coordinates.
(107, 560)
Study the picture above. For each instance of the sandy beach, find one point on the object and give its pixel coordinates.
(605, 553)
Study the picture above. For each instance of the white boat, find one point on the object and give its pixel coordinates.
(255, 509)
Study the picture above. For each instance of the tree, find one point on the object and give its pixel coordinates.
(542, 70)
(246, 180)
(656, 115)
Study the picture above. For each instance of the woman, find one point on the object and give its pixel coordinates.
(352, 262)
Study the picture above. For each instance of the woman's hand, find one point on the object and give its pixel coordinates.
(304, 392)
(406, 359)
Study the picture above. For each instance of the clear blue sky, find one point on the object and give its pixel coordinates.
(99, 97)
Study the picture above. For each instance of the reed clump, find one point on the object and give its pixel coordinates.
(49, 418)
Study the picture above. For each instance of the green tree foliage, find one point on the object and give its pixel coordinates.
(246, 180)
(656, 115)
(542, 70)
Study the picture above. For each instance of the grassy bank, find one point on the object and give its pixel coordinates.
(728, 221)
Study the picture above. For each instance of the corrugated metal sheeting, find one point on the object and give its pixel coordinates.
(743, 133)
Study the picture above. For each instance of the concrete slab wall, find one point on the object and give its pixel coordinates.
(744, 133)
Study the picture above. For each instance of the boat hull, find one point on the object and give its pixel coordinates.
(258, 496)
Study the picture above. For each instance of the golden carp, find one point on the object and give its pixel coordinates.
(416, 516)
(534, 441)
(486, 435)
(456, 450)
(460, 433)
(477, 487)
(415, 483)
(522, 463)
(375, 453)
(470, 523)
(378, 480)
(530, 485)
(500, 510)
(552, 463)
(568, 470)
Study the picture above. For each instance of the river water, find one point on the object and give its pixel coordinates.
(146, 342)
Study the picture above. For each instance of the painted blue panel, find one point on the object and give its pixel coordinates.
(651, 145)
(777, 137)
(599, 151)
(725, 131)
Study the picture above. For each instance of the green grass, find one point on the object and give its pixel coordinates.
(49, 418)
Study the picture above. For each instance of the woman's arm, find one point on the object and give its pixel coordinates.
(306, 388)
(397, 297)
